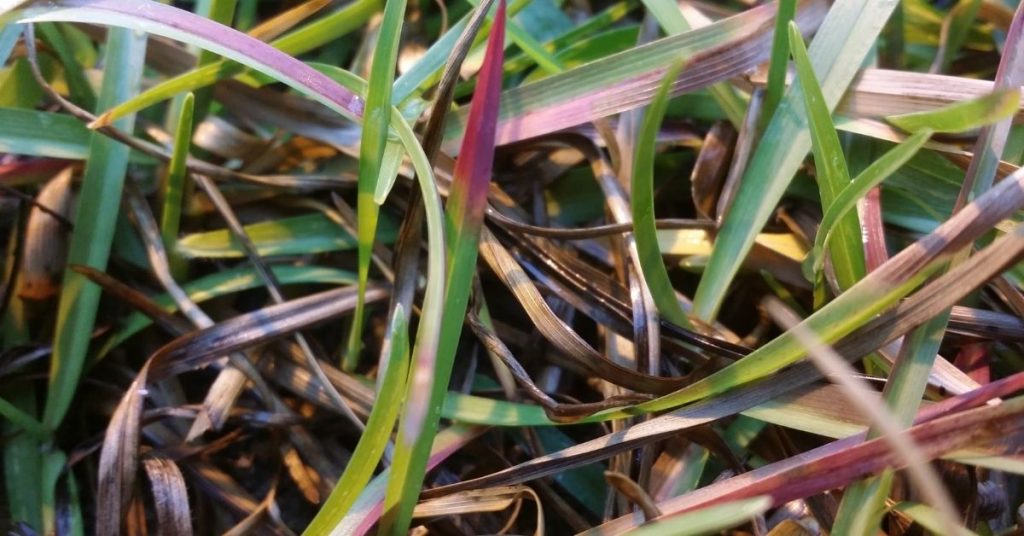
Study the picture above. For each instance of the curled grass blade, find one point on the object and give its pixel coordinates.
(642, 202)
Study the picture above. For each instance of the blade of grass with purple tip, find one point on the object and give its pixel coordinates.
(428, 380)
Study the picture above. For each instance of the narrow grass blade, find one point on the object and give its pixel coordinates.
(836, 464)
(464, 213)
(371, 152)
(776, 84)
(843, 41)
(94, 227)
(833, 176)
(374, 439)
(221, 12)
(847, 199)
(642, 202)
(626, 81)
(955, 27)
(962, 116)
(177, 24)
(906, 384)
(878, 291)
(706, 520)
(673, 22)
(170, 215)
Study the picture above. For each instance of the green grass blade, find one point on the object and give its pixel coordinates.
(23, 463)
(780, 59)
(174, 186)
(297, 235)
(223, 12)
(843, 41)
(94, 226)
(642, 202)
(671, 20)
(374, 439)
(847, 199)
(48, 134)
(22, 420)
(830, 163)
(371, 151)
(80, 90)
(464, 213)
(962, 116)
(708, 520)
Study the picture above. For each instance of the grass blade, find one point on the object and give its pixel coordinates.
(374, 439)
(962, 116)
(376, 120)
(642, 201)
(779, 61)
(847, 199)
(94, 226)
(833, 175)
(706, 520)
(174, 187)
(464, 214)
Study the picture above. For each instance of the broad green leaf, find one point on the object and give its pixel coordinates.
(962, 116)
(839, 48)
